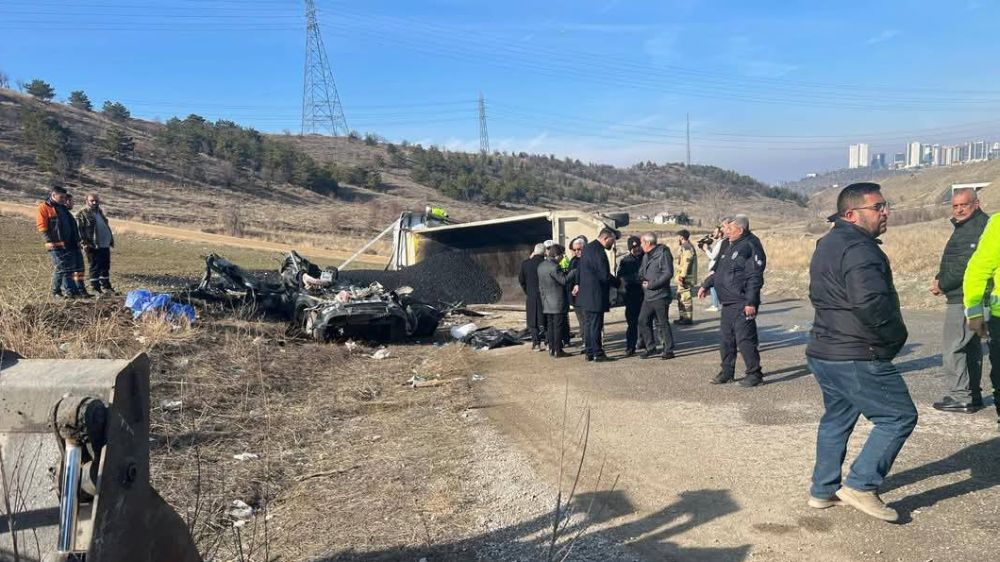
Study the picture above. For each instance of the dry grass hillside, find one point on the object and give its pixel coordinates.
(203, 192)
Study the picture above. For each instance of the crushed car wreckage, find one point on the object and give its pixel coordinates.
(318, 302)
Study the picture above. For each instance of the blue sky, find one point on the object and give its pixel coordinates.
(774, 89)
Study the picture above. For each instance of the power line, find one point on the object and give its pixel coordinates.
(321, 107)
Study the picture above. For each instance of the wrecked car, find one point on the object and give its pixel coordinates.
(320, 303)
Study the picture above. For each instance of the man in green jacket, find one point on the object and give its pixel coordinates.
(981, 275)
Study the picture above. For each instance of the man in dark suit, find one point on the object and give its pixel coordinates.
(593, 291)
(528, 279)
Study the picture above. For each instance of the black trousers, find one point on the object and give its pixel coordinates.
(738, 333)
(554, 330)
(633, 305)
(656, 309)
(99, 260)
(565, 328)
(593, 329)
(581, 321)
(994, 347)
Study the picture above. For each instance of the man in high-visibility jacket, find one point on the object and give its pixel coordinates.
(984, 267)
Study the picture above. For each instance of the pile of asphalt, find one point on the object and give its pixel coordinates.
(449, 277)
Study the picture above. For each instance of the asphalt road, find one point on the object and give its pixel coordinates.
(722, 473)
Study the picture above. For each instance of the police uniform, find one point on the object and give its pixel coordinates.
(738, 279)
(686, 272)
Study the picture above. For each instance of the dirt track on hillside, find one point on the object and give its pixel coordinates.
(174, 233)
(722, 473)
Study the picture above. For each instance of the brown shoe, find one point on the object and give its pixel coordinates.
(868, 503)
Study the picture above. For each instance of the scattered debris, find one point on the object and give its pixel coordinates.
(476, 377)
(246, 456)
(491, 338)
(350, 345)
(319, 303)
(463, 331)
(171, 405)
(381, 353)
(143, 301)
(240, 512)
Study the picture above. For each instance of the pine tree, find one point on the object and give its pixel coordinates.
(40, 89)
(79, 100)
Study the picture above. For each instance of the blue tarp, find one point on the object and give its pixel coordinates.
(141, 301)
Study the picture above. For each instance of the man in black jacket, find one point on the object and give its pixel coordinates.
(656, 271)
(628, 273)
(962, 350)
(528, 279)
(738, 278)
(593, 291)
(857, 331)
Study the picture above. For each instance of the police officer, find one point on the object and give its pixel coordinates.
(738, 279)
(628, 272)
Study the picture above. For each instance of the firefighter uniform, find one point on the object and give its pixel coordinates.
(685, 276)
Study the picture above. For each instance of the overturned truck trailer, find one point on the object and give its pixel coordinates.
(497, 245)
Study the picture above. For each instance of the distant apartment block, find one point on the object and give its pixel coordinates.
(914, 153)
(857, 156)
(920, 154)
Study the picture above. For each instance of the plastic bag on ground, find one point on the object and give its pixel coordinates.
(463, 331)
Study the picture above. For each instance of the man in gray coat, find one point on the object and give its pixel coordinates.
(555, 302)
(656, 271)
(963, 351)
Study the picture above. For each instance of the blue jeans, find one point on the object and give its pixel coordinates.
(715, 297)
(62, 270)
(876, 390)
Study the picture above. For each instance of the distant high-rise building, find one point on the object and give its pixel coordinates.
(857, 155)
(878, 161)
(936, 155)
(948, 155)
(979, 150)
(913, 154)
(898, 160)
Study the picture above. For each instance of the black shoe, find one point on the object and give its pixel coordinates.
(603, 359)
(750, 381)
(629, 352)
(96, 288)
(722, 378)
(667, 355)
(649, 353)
(534, 347)
(560, 355)
(590, 358)
(949, 404)
(683, 322)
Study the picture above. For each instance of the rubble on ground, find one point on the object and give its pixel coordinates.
(319, 303)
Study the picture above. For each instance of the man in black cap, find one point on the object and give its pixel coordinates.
(628, 272)
(738, 279)
(857, 331)
(528, 279)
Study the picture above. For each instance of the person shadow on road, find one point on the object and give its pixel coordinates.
(980, 460)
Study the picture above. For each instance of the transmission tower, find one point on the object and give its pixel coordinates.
(687, 160)
(322, 112)
(484, 135)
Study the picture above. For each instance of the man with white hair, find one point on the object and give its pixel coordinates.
(962, 356)
(738, 279)
(528, 279)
